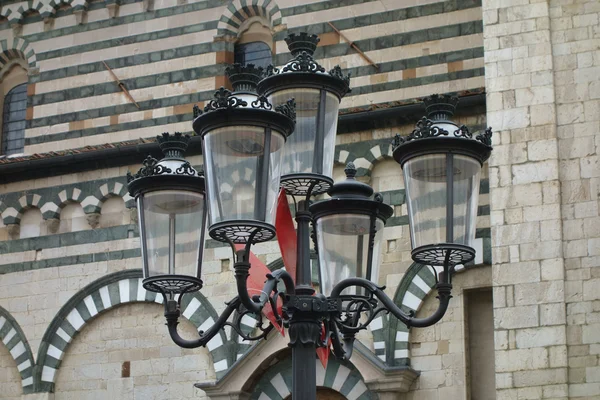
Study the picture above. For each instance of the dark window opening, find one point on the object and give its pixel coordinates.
(13, 120)
(257, 53)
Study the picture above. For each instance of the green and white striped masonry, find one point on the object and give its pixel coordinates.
(276, 383)
(238, 11)
(15, 341)
(104, 294)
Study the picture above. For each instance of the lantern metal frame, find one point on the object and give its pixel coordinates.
(304, 72)
(429, 138)
(153, 176)
(227, 110)
(305, 312)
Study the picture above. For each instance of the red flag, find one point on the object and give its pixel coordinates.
(256, 280)
(286, 234)
(323, 352)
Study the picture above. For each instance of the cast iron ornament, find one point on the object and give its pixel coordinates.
(224, 100)
(262, 102)
(336, 72)
(425, 128)
(485, 137)
(288, 109)
(149, 168)
(172, 146)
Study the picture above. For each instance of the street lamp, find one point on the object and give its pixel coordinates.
(245, 152)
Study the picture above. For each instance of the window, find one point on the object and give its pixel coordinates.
(13, 120)
(257, 53)
(254, 44)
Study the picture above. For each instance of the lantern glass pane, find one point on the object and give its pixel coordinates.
(311, 148)
(426, 198)
(427, 193)
(173, 231)
(343, 241)
(242, 165)
(467, 173)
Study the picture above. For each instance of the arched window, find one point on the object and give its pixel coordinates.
(257, 53)
(13, 120)
(255, 44)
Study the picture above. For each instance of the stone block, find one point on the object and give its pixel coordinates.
(541, 337)
(540, 377)
(570, 113)
(586, 209)
(528, 232)
(555, 391)
(516, 196)
(510, 274)
(584, 390)
(521, 359)
(590, 333)
(576, 147)
(590, 167)
(541, 213)
(509, 118)
(539, 292)
(535, 172)
(516, 317)
(591, 290)
(509, 154)
(539, 150)
(552, 314)
(534, 95)
(540, 251)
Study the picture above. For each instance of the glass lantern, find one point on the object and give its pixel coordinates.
(349, 231)
(171, 213)
(442, 164)
(242, 143)
(308, 155)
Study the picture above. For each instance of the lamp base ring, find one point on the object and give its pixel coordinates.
(176, 284)
(242, 231)
(436, 254)
(300, 184)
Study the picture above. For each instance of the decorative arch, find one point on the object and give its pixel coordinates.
(17, 50)
(12, 215)
(238, 11)
(343, 377)
(103, 294)
(416, 284)
(15, 341)
(93, 203)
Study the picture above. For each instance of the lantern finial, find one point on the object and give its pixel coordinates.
(299, 42)
(173, 146)
(440, 107)
(244, 78)
(350, 170)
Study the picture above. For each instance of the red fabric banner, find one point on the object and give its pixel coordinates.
(286, 234)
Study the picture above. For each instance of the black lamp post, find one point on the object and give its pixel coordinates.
(244, 157)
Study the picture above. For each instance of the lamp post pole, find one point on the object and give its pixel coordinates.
(243, 146)
(305, 328)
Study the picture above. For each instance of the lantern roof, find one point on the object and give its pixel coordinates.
(436, 133)
(303, 70)
(352, 196)
(173, 171)
(226, 108)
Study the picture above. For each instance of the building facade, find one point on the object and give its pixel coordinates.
(85, 87)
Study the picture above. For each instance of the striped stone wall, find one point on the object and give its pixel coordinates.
(173, 56)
